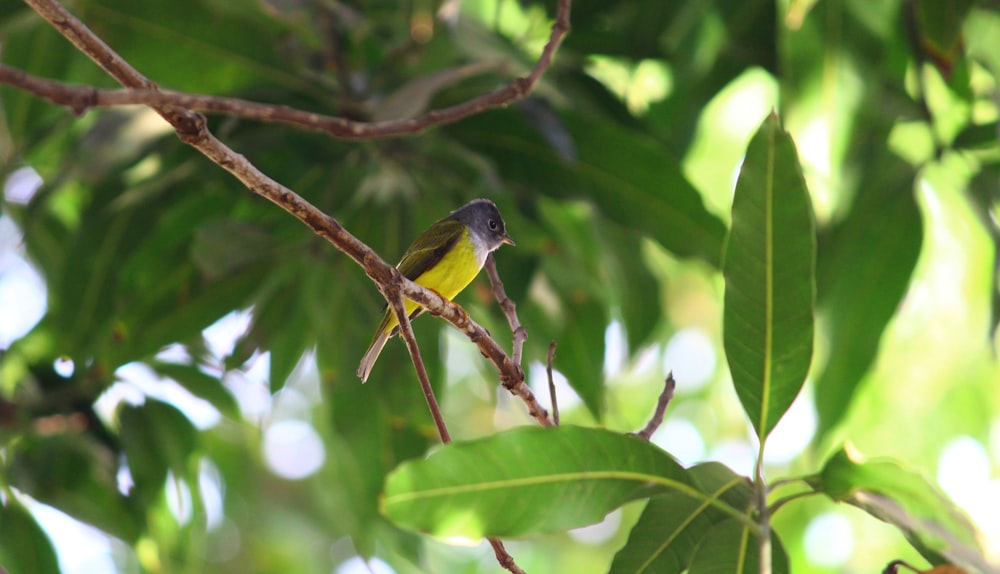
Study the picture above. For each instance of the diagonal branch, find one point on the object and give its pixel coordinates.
(395, 298)
(190, 126)
(191, 129)
(661, 408)
(509, 310)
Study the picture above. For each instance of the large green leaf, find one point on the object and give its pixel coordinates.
(865, 273)
(889, 491)
(24, 547)
(637, 291)
(631, 178)
(672, 525)
(528, 480)
(770, 285)
(581, 352)
(233, 42)
(731, 546)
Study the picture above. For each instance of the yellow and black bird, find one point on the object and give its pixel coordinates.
(445, 258)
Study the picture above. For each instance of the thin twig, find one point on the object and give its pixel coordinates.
(504, 557)
(552, 384)
(142, 91)
(661, 407)
(777, 504)
(192, 130)
(509, 310)
(406, 332)
(894, 566)
(804, 480)
(395, 299)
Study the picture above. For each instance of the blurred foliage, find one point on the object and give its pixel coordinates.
(616, 179)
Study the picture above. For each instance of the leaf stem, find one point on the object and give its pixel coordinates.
(777, 504)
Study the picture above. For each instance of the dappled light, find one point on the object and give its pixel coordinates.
(749, 284)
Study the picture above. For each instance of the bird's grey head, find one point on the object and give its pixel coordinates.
(483, 220)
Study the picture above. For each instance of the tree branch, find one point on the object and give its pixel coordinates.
(142, 91)
(192, 130)
(180, 110)
(504, 557)
(552, 384)
(395, 298)
(661, 407)
(509, 310)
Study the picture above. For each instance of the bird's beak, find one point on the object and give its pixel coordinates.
(506, 239)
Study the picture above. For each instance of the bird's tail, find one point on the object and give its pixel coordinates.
(368, 361)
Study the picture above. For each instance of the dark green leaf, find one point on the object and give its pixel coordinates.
(940, 26)
(581, 352)
(223, 247)
(672, 525)
(731, 546)
(978, 137)
(145, 330)
(770, 285)
(902, 497)
(76, 476)
(156, 438)
(865, 274)
(984, 190)
(631, 178)
(24, 547)
(162, 41)
(637, 290)
(528, 480)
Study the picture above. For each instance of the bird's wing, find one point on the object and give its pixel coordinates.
(430, 247)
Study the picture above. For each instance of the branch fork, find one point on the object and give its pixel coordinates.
(184, 113)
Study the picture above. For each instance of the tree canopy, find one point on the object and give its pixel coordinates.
(790, 206)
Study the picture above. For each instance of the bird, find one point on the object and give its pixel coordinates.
(445, 258)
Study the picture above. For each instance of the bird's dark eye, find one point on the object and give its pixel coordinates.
(493, 224)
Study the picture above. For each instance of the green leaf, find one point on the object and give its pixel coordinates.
(637, 290)
(940, 26)
(150, 326)
(24, 547)
(632, 178)
(413, 98)
(865, 273)
(76, 476)
(234, 42)
(156, 438)
(581, 352)
(904, 498)
(731, 546)
(224, 246)
(33, 124)
(528, 480)
(770, 286)
(671, 526)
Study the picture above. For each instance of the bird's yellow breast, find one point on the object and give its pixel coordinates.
(452, 274)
